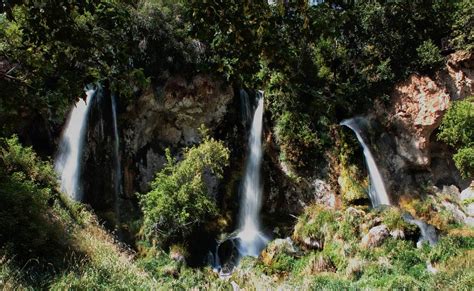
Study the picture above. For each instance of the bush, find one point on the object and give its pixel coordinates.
(457, 130)
(27, 184)
(316, 223)
(464, 160)
(429, 55)
(450, 246)
(179, 201)
(353, 190)
(392, 218)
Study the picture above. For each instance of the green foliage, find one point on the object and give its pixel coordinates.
(463, 32)
(316, 223)
(392, 218)
(122, 45)
(232, 33)
(26, 186)
(352, 188)
(429, 55)
(330, 282)
(451, 246)
(457, 130)
(179, 200)
(282, 262)
(464, 160)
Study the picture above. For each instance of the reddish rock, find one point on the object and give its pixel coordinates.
(420, 102)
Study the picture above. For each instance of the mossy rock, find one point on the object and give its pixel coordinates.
(314, 226)
(353, 189)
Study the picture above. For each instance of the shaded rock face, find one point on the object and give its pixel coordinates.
(169, 116)
(98, 164)
(285, 197)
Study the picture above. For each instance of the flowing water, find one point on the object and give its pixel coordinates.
(69, 159)
(118, 164)
(251, 239)
(378, 194)
(427, 231)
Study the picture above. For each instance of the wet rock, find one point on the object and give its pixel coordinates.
(375, 237)
(455, 210)
(323, 193)
(428, 232)
(228, 255)
(468, 193)
(169, 117)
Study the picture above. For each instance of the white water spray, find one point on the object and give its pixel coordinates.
(378, 194)
(118, 164)
(252, 240)
(69, 158)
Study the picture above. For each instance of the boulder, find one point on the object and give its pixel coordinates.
(375, 237)
(276, 247)
(468, 193)
(323, 193)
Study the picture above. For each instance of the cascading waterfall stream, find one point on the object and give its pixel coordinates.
(378, 194)
(118, 164)
(69, 158)
(251, 239)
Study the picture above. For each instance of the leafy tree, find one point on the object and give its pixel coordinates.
(457, 130)
(463, 31)
(231, 31)
(50, 50)
(179, 200)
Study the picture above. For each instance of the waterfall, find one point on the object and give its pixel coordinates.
(118, 164)
(245, 106)
(252, 240)
(378, 194)
(69, 158)
(427, 231)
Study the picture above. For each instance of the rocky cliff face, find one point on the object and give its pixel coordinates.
(168, 116)
(418, 106)
(403, 134)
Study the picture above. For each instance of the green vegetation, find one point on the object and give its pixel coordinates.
(344, 263)
(317, 65)
(48, 241)
(457, 130)
(179, 200)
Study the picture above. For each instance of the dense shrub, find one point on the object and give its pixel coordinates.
(457, 130)
(179, 200)
(27, 185)
(316, 223)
